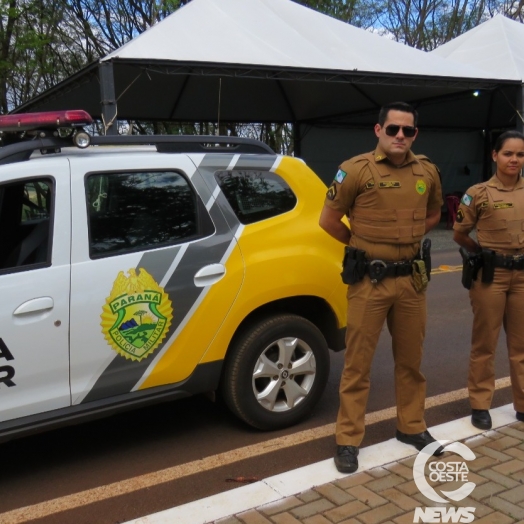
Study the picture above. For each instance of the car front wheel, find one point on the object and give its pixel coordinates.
(276, 372)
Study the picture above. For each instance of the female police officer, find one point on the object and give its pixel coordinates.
(496, 209)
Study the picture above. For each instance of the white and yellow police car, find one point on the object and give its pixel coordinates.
(138, 269)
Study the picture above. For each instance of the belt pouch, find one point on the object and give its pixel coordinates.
(420, 277)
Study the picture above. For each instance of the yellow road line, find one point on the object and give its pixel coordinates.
(445, 269)
(76, 500)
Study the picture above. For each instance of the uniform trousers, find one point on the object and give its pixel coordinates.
(369, 305)
(496, 304)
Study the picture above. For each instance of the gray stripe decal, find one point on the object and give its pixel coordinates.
(122, 375)
(199, 294)
(263, 162)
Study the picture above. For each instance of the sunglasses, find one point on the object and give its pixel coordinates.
(407, 131)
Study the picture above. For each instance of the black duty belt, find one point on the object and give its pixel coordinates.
(509, 261)
(379, 269)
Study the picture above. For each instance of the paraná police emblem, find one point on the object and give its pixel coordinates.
(136, 316)
(420, 186)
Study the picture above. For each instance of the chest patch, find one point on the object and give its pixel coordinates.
(136, 316)
(420, 186)
(370, 184)
(389, 184)
(502, 205)
(483, 205)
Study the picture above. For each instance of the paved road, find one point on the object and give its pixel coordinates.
(138, 463)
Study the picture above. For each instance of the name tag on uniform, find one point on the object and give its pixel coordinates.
(502, 205)
(385, 185)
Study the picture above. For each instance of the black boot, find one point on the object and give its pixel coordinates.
(419, 440)
(481, 418)
(346, 459)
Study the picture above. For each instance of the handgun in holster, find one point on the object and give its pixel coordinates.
(353, 265)
(425, 255)
(471, 263)
(488, 265)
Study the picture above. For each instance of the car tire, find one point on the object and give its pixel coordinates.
(276, 371)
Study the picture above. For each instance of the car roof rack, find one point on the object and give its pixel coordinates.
(21, 151)
(50, 131)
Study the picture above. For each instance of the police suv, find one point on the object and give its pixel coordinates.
(139, 269)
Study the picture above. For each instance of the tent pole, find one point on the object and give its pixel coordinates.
(107, 98)
(520, 109)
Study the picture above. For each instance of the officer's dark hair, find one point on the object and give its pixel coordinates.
(397, 106)
(499, 143)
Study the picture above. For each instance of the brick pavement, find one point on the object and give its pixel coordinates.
(387, 494)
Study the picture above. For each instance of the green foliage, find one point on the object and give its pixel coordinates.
(360, 13)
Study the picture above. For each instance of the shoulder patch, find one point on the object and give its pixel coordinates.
(332, 192)
(339, 177)
(460, 216)
(466, 199)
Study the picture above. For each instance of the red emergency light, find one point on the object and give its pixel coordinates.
(47, 120)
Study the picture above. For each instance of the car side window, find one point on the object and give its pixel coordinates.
(25, 224)
(256, 195)
(136, 211)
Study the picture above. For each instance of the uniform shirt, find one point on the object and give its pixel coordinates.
(356, 184)
(497, 212)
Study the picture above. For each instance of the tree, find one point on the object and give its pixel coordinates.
(360, 13)
(426, 24)
(423, 24)
(109, 24)
(29, 36)
(140, 314)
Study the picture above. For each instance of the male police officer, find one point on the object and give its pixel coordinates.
(392, 198)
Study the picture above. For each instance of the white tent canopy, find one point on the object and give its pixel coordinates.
(270, 61)
(496, 46)
(280, 33)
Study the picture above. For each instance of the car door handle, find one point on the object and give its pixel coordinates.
(209, 275)
(34, 305)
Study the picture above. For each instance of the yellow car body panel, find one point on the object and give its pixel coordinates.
(288, 255)
(181, 358)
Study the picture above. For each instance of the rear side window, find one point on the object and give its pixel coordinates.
(256, 195)
(137, 211)
(25, 224)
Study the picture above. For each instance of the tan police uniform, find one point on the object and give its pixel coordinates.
(498, 215)
(386, 206)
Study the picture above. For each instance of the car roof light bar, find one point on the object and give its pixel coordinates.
(48, 119)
